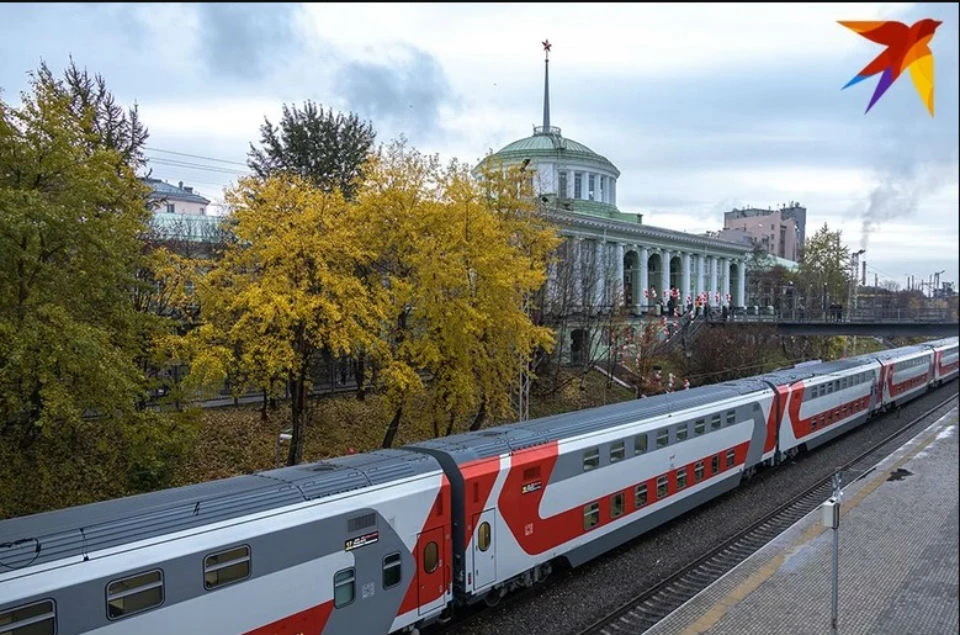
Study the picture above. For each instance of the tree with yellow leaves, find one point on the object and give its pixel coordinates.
(457, 263)
(285, 290)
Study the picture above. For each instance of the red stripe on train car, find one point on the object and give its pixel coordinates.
(311, 621)
(777, 408)
(804, 427)
(520, 507)
(478, 480)
(437, 519)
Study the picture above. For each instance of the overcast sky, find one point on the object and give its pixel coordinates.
(701, 107)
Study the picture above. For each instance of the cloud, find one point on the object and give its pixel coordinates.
(410, 91)
(244, 41)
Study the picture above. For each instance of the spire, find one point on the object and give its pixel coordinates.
(546, 86)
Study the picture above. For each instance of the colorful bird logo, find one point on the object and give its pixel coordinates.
(907, 47)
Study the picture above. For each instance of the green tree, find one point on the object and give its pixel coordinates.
(284, 292)
(824, 275)
(72, 215)
(324, 148)
(105, 121)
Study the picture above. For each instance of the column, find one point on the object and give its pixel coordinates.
(701, 266)
(726, 281)
(599, 274)
(618, 285)
(577, 272)
(685, 288)
(665, 274)
(741, 283)
(644, 283)
(713, 280)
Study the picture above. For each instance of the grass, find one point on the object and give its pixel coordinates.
(237, 440)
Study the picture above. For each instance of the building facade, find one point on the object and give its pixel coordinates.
(780, 232)
(609, 249)
(608, 256)
(180, 214)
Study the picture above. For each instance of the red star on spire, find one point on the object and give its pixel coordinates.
(546, 46)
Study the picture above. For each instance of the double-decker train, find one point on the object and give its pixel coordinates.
(393, 540)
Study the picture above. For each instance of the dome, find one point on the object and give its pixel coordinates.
(551, 145)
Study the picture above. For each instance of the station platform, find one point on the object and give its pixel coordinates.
(898, 564)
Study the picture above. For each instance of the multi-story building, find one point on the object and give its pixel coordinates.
(780, 232)
(609, 256)
(180, 214)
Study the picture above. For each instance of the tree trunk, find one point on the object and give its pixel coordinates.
(361, 377)
(450, 425)
(392, 428)
(478, 420)
(298, 432)
(263, 407)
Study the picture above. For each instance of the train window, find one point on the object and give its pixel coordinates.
(731, 458)
(640, 495)
(640, 445)
(483, 536)
(663, 438)
(731, 418)
(431, 557)
(700, 426)
(681, 478)
(714, 463)
(344, 588)
(591, 515)
(682, 432)
(225, 567)
(134, 594)
(617, 452)
(392, 573)
(698, 472)
(715, 422)
(616, 505)
(661, 486)
(591, 459)
(38, 618)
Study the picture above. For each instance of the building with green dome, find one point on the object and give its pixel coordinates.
(609, 256)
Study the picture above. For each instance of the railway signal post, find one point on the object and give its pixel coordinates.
(831, 518)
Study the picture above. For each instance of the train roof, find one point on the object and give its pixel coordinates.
(495, 441)
(86, 528)
(942, 342)
(789, 376)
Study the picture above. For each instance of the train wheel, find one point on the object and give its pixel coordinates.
(493, 597)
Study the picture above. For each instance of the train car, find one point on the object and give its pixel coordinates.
(572, 486)
(358, 544)
(824, 401)
(946, 359)
(905, 373)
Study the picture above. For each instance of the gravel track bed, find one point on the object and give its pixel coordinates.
(571, 600)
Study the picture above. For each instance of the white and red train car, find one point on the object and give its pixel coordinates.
(395, 539)
(359, 544)
(946, 359)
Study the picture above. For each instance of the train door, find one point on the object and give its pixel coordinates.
(430, 568)
(484, 551)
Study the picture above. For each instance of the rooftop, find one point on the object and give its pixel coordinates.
(165, 191)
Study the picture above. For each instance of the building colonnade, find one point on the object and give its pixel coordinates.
(602, 269)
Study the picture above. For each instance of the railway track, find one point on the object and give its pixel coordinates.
(651, 605)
